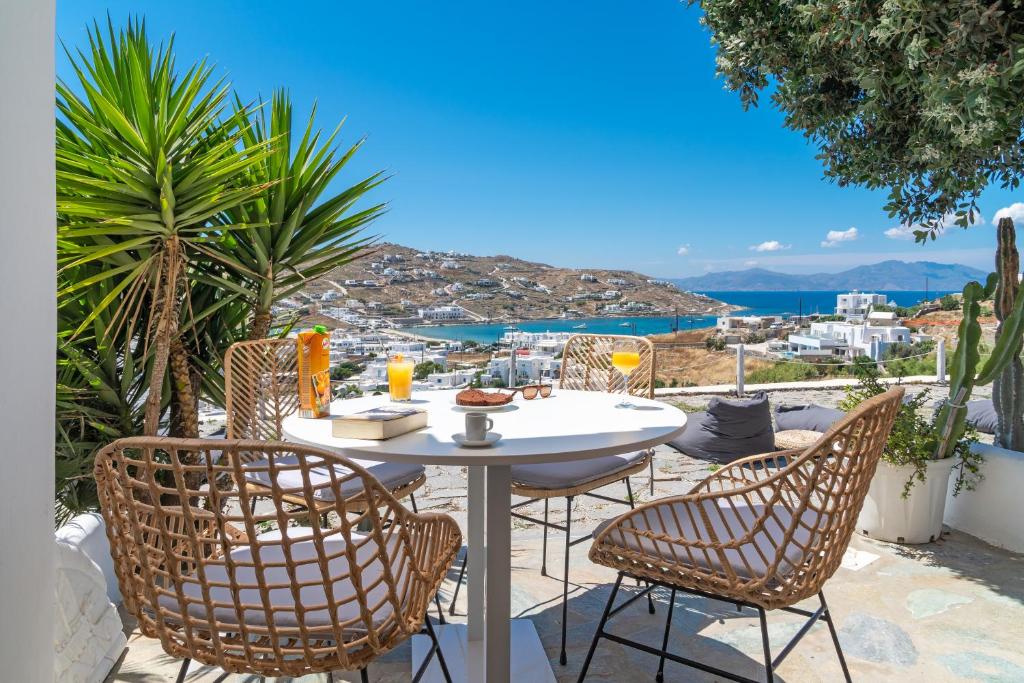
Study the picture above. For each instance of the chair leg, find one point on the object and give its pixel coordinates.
(412, 503)
(364, 676)
(660, 677)
(629, 494)
(435, 649)
(458, 584)
(440, 612)
(252, 505)
(769, 674)
(600, 629)
(544, 544)
(652, 475)
(565, 577)
(827, 615)
(330, 676)
(183, 670)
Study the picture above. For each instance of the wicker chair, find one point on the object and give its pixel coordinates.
(765, 532)
(586, 366)
(261, 382)
(255, 593)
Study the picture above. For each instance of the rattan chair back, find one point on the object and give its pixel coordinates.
(767, 530)
(261, 383)
(587, 365)
(260, 593)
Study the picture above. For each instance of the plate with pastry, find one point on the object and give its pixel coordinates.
(486, 401)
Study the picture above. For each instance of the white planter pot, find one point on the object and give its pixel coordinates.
(888, 516)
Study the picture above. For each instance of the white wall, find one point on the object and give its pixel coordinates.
(28, 309)
(994, 512)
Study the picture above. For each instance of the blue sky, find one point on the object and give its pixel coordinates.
(578, 134)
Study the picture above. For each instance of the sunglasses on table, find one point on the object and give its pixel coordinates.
(532, 391)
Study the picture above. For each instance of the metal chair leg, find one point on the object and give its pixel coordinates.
(183, 670)
(435, 650)
(769, 673)
(364, 676)
(660, 677)
(827, 615)
(440, 612)
(600, 629)
(544, 544)
(629, 493)
(652, 475)
(330, 677)
(562, 659)
(412, 502)
(458, 583)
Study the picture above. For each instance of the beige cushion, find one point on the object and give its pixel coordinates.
(682, 520)
(309, 580)
(390, 474)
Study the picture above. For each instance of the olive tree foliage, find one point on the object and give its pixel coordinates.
(924, 98)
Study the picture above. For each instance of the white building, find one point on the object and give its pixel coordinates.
(530, 367)
(616, 281)
(855, 305)
(727, 323)
(548, 342)
(848, 340)
(612, 294)
(442, 313)
(587, 277)
(450, 265)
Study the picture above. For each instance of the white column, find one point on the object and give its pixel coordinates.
(940, 361)
(28, 308)
(740, 371)
(498, 602)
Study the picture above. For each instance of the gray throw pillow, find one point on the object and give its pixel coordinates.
(728, 430)
(808, 416)
(982, 414)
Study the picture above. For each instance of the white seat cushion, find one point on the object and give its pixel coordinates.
(567, 475)
(308, 576)
(390, 474)
(682, 520)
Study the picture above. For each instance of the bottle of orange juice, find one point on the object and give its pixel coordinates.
(314, 350)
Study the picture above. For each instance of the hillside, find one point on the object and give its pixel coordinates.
(395, 281)
(887, 275)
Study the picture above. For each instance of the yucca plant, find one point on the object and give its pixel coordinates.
(299, 228)
(145, 159)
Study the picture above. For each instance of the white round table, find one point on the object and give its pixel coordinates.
(569, 425)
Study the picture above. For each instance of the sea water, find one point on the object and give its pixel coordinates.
(753, 303)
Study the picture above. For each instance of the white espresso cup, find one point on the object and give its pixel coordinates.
(477, 426)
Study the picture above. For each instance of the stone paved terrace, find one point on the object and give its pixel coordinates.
(951, 610)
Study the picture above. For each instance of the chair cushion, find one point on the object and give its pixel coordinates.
(728, 430)
(682, 520)
(390, 474)
(809, 416)
(982, 414)
(568, 475)
(308, 577)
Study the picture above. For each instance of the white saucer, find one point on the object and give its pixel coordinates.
(491, 439)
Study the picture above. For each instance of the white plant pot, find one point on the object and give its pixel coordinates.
(888, 516)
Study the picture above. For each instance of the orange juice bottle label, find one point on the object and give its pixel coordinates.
(314, 352)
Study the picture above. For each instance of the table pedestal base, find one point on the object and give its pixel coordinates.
(529, 661)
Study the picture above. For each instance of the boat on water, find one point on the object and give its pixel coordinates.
(581, 326)
(624, 324)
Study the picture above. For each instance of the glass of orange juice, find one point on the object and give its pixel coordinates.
(400, 377)
(625, 359)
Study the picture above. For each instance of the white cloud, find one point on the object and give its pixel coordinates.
(834, 237)
(901, 232)
(683, 250)
(770, 245)
(1014, 211)
(750, 264)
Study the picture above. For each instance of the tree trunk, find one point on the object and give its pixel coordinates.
(1008, 387)
(260, 327)
(185, 399)
(166, 308)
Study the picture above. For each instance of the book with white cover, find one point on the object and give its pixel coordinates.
(378, 423)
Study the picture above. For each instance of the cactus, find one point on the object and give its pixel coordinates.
(1008, 388)
(963, 368)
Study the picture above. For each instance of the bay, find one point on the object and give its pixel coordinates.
(753, 303)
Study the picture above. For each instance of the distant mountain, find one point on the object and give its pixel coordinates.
(887, 275)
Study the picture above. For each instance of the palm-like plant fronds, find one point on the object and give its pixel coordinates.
(144, 162)
(297, 229)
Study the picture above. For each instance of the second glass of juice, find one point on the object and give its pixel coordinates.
(400, 377)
